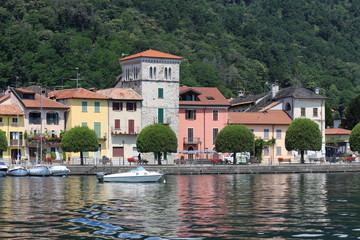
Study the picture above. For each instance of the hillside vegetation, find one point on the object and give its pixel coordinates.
(229, 44)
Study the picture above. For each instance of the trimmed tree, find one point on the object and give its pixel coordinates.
(352, 114)
(157, 138)
(3, 141)
(80, 139)
(354, 139)
(303, 134)
(234, 139)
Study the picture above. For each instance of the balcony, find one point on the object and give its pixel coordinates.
(194, 140)
(15, 142)
(124, 131)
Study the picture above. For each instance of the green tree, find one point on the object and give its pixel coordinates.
(3, 141)
(303, 134)
(329, 118)
(352, 114)
(157, 138)
(354, 139)
(80, 139)
(234, 139)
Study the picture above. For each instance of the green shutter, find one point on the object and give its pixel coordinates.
(160, 93)
(160, 115)
(97, 128)
(96, 106)
(84, 106)
(84, 124)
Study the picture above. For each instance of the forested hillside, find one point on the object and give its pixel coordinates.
(229, 44)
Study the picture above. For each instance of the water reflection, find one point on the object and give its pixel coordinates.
(285, 206)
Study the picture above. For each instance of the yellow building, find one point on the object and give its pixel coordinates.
(86, 109)
(12, 123)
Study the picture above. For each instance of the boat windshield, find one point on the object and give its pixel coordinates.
(2, 163)
(137, 169)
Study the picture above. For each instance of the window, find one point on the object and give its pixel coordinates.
(166, 73)
(117, 106)
(52, 118)
(278, 133)
(155, 72)
(97, 128)
(96, 106)
(190, 135)
(315, 112)
(215, 132)
(130, 106)
(287, 107)
(160, 93)
(131, 126)
(84, 124)
(160, 115)
(117, 123)
(278, 150)
(16, 138)
(266, 133)
(190, 114)
(252, 130)
(15, 120)
(266, 151)
(215, 115)
(1, 122)
(303, 112)
(169, 73)
(118, 151)
(289, 153)
(35, 118)
(151, 72)
(84, 106)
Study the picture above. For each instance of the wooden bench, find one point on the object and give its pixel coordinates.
(284, 160)
(313, 160)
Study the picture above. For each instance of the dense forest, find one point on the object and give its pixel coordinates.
(230, 44)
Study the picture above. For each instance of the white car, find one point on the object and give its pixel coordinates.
(241, 158)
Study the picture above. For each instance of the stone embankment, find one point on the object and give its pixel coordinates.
(223, 169)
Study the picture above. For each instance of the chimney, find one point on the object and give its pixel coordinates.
(240, 93)
(274, 89)
(317, 90)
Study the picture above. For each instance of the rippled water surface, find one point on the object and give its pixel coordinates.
(287, 206)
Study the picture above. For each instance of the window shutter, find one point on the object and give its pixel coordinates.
(134, 106)
(117, 123)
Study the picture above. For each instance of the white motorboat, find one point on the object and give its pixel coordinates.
(39, 170)
(138, 174)
(3, 169)
(59, 170)
(17, 170)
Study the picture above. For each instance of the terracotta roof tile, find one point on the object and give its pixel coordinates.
(120, 94)
(274, 117)
(10, 110)
(206, 96)
(337, 131)
(42, 102)
(152, 54)
(75, 93)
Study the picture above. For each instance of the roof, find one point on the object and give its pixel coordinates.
(43, 102)
(120, 94)
(206, 96)
(337, 131)
(10, 110)
(78, 93)
(273, 104)
(273, 117)
(151, 54)
(298, 92)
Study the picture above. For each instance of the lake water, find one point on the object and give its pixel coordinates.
(286, 206)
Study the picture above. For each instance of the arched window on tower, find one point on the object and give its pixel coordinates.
(166, 74)
(151, 72)
(287, 107)
(154, 72)
(169, 73)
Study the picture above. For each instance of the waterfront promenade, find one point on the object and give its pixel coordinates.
(174, 169)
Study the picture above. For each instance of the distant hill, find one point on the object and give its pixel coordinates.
(229, 44)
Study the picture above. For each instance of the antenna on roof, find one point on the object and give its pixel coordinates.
(124, 54)
(77, 79)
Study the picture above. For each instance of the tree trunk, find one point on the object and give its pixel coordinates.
(234, 158)
(81, 158)
(302, 156)
(159, 158)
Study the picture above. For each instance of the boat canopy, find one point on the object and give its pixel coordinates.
(137, 169)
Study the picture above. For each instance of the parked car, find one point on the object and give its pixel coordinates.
(241, 158)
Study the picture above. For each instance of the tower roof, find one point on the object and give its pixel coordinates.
(151, 54)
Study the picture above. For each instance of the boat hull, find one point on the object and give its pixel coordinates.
(59, 171)
(116, 178)
(18, 172)
(3, 173)
(39, 171)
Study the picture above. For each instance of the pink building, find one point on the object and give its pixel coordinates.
(203, 112)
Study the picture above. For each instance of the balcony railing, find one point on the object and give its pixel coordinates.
(15, 142)
(124, 131)
(194, 140)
